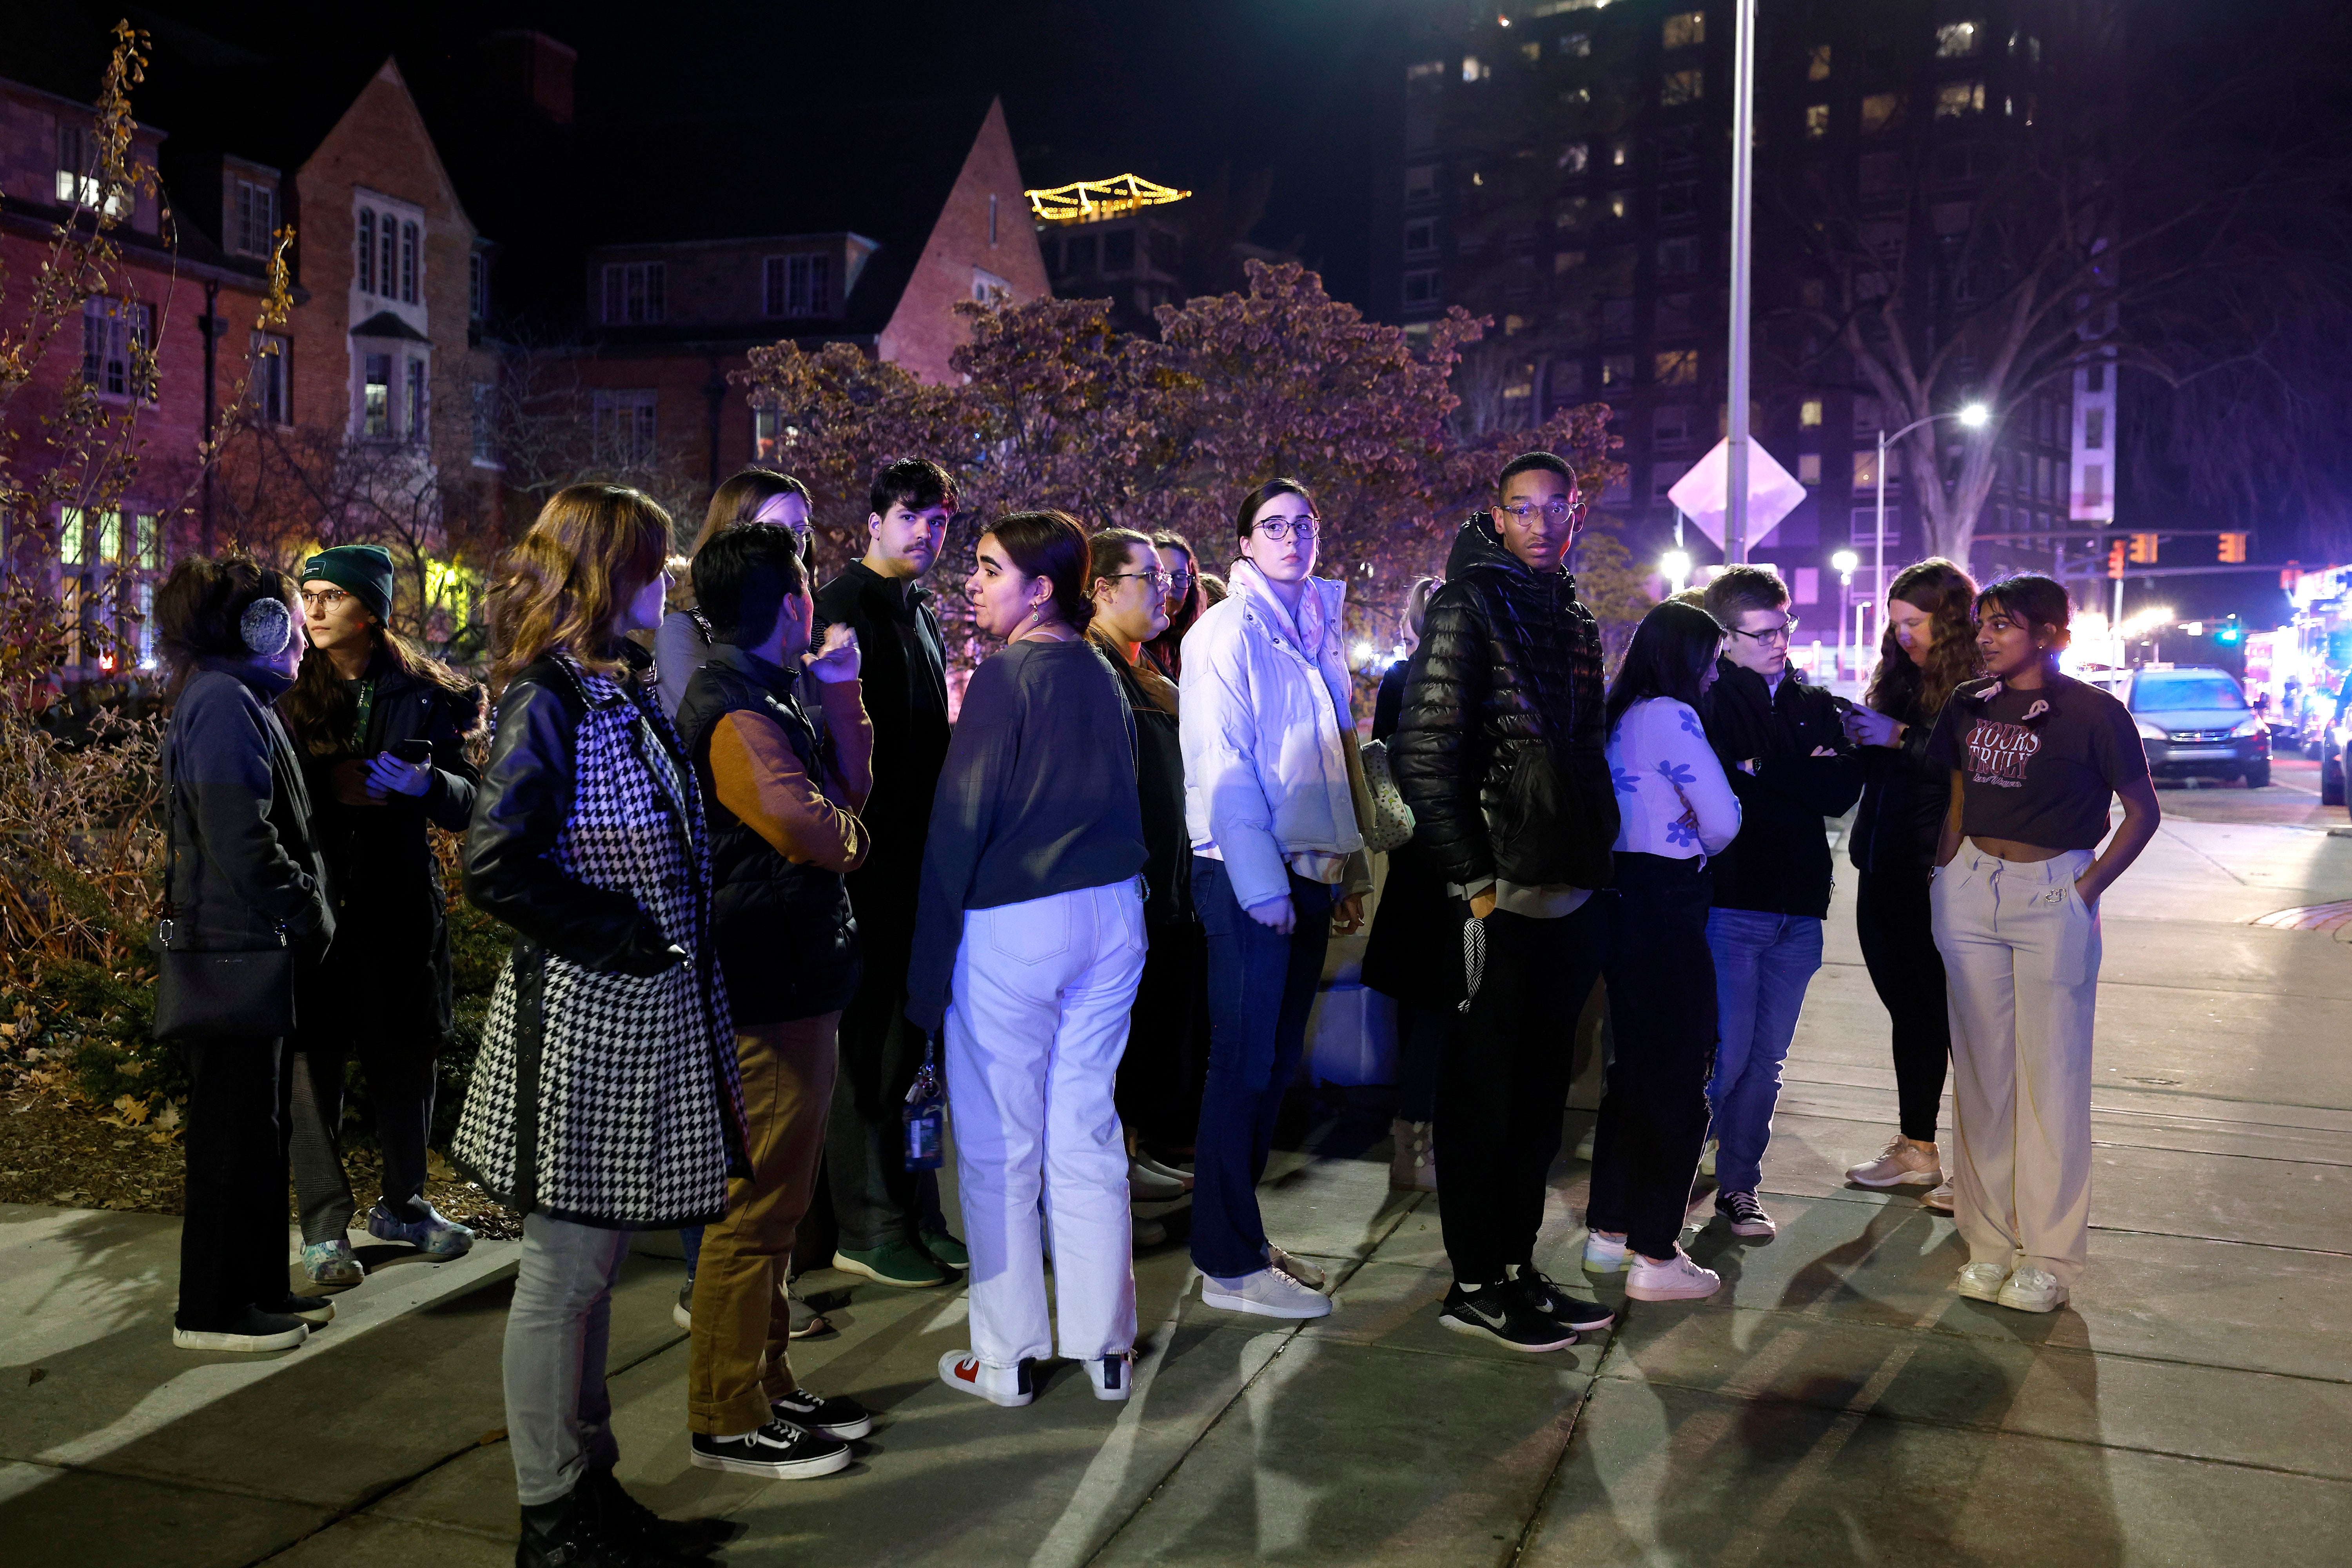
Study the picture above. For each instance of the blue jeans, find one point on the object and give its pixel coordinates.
(1762, 964)
(1261, 985)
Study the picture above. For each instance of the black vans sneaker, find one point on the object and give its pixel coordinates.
(841, 1419)
(779, 1451)
(1544, 1295)
(1503, 1312)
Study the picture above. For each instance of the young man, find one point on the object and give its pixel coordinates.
(1498, 752)
(783, 830)
(890, 1225)
(1791, 764)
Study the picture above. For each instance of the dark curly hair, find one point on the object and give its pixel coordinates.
(199, 608)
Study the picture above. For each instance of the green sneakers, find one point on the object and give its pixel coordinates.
(897, 1262)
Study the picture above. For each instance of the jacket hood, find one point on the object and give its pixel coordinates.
(1320, 608)
(1477, 543)
(267, 684)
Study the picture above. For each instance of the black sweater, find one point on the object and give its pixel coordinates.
(1779, 864)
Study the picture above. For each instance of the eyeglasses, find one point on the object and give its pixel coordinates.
(1780, 633)
(1179, 583)
(1557, 510)
(1157, 579)
(1281, 527)
(322, 598)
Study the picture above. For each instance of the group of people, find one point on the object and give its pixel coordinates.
(770, 891)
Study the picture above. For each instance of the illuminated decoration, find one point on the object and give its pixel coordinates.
(1091, 201)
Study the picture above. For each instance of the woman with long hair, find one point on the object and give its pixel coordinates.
(605, 1097)
(244, 873)
(1129, 582)
(383, 729)
(1677, 809)
(1928, 650)
(2037, 759)
(1029, 941)
(752, 495)
(1186, 600)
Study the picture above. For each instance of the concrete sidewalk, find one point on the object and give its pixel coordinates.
(1835, 1403)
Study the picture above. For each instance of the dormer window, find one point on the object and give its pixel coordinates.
(252, 216)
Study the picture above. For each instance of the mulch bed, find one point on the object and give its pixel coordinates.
(57, 1152)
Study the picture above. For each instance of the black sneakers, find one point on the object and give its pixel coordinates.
(779, 1451)
(1503, 1312)
(1747, 1215)
(841, 1419)
(632, 1524)
(1544, 1295)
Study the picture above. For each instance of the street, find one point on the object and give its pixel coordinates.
(1835, 1403)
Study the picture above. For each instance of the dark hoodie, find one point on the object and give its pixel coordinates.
(1779, 864)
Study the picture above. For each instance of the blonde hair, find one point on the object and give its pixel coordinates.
(562, 588)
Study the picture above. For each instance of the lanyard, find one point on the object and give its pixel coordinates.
(367, 705)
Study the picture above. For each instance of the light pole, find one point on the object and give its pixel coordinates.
(1675, 567)
(1743, 201)
(1843, 564)
(1975, 416)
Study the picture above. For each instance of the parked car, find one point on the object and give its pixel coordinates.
(2196, 723)
(2336, 743)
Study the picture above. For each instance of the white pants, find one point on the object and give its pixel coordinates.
(2022, 967)
(1036, 1028)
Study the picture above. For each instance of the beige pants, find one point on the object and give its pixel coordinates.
(2021, 965)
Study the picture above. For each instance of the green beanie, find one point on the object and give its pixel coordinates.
(364, 570)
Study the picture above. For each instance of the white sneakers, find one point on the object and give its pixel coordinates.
(1940, 1198)
(1605, 1254)
(1297, 1268)
(1011, 1386)
(1901, 1163)
(1112, 1376)
(2029, 1290)
(1675, 1280)
(1269, 1293)
(1412, 1168)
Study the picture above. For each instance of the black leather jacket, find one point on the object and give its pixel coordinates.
(1498, 746)
(1906, 795)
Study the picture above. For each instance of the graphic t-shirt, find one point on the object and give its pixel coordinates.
(2039, 767)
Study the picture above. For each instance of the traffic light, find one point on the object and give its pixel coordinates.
(2289, 575)
(2116, 560)
(2233, 548)
(2229, 631)
(2143, 549)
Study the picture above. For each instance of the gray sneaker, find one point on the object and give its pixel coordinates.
(1269, 1293)
(331, 1263)
(1297, 1268)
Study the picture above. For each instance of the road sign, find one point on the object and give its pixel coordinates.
(1772, 493)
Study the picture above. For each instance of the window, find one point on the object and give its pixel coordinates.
(1676, 256)
(1617, 370)
(1678, 147)
(1809, 467)
(988, 288)
(485, 421)
(1420, 236)
(1420, 288)
(1865, 468)
(375, 397)
(115, 357)
(2094, 485)
(1677, 367)
(1576, 45)
(1675, 316)
(1573, 213)
(77, 182)
(1566, 261)
(408, 262)
(769, 435)
(110, 537)
(1421, 183)
(417, 424)
(1621, 152)
(1865, 524)
(1817, 63)
(2045, 418)
(1574, 157)
(253, 217)
(1670, 428)
(1880, 173)
(624, 427)
(2095, 379)
(1685, 29)
(367, 251)
(1617, 202)
(1957, 40)
(1616, 319)
(1475, 70)
(1817, 121)
(1678, 200)
(797, 286)
(1681, 87)
(2043, 483)
(149, 540)
(1866, 421)
(1519, 381)
(1809, 414)
(387, 252)
(1880, 110)
(1119, 250)
(1424, 70)
(991, 220)
(1531, 51)
(270, 351)
(633, 292)
(1662, 482)
(1567, 378)
(1955, 99)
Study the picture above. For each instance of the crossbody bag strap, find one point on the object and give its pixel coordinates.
(163, 931)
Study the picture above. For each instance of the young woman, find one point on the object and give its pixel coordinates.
(755, 495)
(1128, 579)
(1165, 647)
(2036, 759)
(605, 1097)
(1929, 649)
(1029, 942)
(366, 695)
(1277, 864)
(1676, 808)
(1411, 924)
(245, 873)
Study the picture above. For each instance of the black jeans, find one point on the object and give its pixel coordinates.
(1158, 1092)
(1662, 1011)
(875, 1199)
(232, 1236)
(399, 1084)
(1898, 945)
(1502, 1085)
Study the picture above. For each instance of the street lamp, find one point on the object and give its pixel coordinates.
(1975, 416)
(1843, 564)
(1675, 567)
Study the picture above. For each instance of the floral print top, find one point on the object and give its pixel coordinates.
(1667, 778)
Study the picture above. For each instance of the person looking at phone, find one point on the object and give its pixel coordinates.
(382, 729)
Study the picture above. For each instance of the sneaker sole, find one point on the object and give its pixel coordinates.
(1679, 1293)
(2015, 1305)
(1220, 1299)
(1908, 1179)
(1936, 1207)
(1974, 1293)
(250, 1344)
(1752, 1229)
(1015, 1403)
(798, 1470)
(681, 1317)
(1461, 1326)
(319, 1314)
(849, 1265)
(1601, 1266)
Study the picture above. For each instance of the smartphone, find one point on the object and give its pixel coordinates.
(412, 750)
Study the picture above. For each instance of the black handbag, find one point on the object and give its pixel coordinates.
(216, 993)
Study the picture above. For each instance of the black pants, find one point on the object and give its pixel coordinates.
(232, 1237)
(876, 1199)
(1898, 945)
(1501, 1084)
(1662, 1012)
(1158, 1091)
(400, 1085)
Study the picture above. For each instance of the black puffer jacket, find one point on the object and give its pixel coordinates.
(1498, 748)
(1905, 793)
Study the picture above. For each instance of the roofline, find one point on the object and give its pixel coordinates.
(86, 107)
(734, 239)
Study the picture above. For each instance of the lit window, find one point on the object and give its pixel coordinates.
(1531, 51)
(1616, 370)
(71, 530)
(1880, 110)
(254, 217)
(1809, 414)
(1681, 87)
(1475, 69)
(1809, 467)
(1817, 63)
(408, 262)
(624, 427)
(988, 288)
(797, 286)
(367, 251)
(1684, 29)
(1519, 382)
(1865, 468)
(116, 360)
(1953, 99)
(1955, 40)
(769, 435)
(1566, 261)
(1424, 70)
(633, 292)
(77, 183)
(110, 537)
(1677, 367)
(269, 350)
(1621, 151)
(1617, 200)
(148, 541)
(1576, 45)
(1571, 213)
(375, 397)
(1420, 288)
(1817, 121)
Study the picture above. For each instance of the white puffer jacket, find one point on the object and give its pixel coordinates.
(1264, 698)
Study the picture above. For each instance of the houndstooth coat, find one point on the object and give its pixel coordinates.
(605, 1092)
